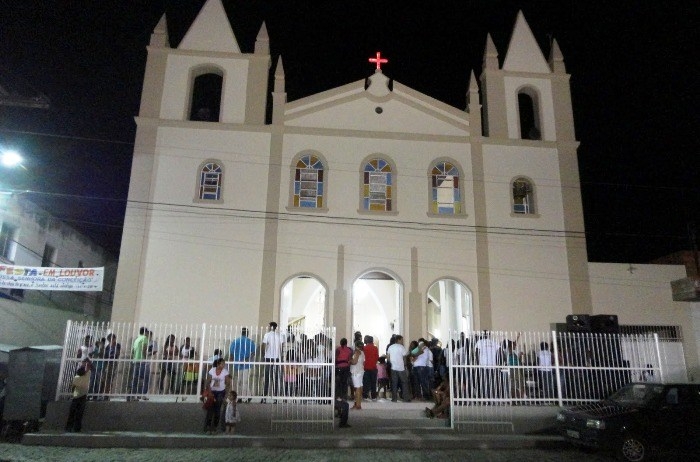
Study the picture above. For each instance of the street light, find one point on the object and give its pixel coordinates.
(11, 159)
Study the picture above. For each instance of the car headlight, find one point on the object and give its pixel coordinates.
(595, 423)
(561, 417)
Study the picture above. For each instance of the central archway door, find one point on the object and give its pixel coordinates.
(377, 308)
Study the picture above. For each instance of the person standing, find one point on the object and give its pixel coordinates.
(369, 379)
(113, 350)
(357, 371)
(218, 381)
(241, 351)
(487, 353)
(343, 354)
(544, 372)
(141, 371)
(168, 366)
(397, 354)
(81, 385)
(190, 368)
(272, 344)
(423, 366)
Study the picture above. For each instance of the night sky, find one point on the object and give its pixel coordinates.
(634, 88)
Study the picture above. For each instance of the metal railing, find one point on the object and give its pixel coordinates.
(170, 362)
(541, 368)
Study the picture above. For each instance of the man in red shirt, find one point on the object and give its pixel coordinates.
(369, 379)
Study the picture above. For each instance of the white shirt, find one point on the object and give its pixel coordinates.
(488, 350)
(218, 382)
(273, 342)
(396, 354)
(544, 357)
(359, 367)
(425, 359)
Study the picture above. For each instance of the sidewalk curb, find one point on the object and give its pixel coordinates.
(403, 440)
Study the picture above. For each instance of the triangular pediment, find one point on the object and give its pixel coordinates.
(354, 108)
(211, 31)
(524, 54)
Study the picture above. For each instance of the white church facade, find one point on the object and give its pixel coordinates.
(369, 206)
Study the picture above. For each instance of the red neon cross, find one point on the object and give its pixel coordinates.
(379, 60)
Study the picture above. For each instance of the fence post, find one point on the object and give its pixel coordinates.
(658, 358)
(62, 367)
(451, 378)
(556, 368)
(202, 372)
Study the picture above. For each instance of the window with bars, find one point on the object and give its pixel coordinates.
(210, 181)
(308, 182)
(446, 198)
(523, 201)
(377, 186)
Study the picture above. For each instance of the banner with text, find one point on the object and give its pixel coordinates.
(39, 278)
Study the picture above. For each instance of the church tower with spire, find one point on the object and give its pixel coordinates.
(202, 107)
(527, 112)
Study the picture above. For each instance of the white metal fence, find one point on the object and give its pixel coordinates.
(170, 362)
(536, 368)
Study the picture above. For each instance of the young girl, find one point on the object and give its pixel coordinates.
(233, 415)
(382, 376)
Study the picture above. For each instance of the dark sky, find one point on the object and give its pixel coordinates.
(634, 88)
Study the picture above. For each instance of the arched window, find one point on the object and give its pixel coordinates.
(523, 199)
(445, 189)
(308, 182)
(210, 181)
(528, 114)
(206, 97)
(377, 186)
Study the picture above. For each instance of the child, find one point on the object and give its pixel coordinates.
(382, 376)
(233, 415)
(290, 375)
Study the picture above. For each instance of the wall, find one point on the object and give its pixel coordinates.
(642, 296)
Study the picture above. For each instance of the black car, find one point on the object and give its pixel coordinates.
(637, 418)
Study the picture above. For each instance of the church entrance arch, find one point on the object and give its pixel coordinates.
(377, 308)
(303, 304)
(449, 308)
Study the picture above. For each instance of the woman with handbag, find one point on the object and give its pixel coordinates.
(218, 381)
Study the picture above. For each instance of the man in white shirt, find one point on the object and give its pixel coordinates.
(272, 344)
(397, 352)
(423, 367)
(487, 354)
(544, 372)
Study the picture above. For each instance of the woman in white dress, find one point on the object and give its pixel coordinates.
(357, 371)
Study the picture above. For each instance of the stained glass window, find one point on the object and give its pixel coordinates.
(308, 182)
(210, 180)
(523, 201)
(445, 189)
(377, 186)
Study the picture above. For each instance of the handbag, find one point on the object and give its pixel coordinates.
(208, 399)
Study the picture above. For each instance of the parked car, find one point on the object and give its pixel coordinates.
(636, 419)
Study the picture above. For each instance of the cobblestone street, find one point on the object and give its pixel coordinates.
(19, 453)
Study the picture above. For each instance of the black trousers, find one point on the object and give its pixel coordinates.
(75, 414)
(369, 384)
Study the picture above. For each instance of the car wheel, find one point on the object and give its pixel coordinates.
(632, 449)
